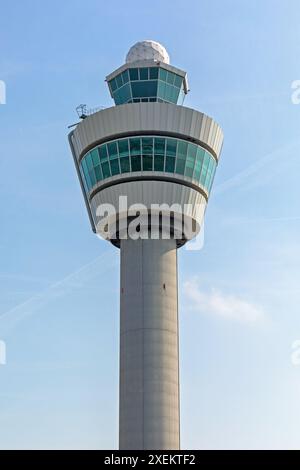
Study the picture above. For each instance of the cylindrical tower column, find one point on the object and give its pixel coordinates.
(149, 373)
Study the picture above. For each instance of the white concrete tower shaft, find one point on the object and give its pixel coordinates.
(149, 372)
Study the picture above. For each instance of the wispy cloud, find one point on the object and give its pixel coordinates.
(227, 306)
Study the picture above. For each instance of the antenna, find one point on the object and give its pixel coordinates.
(82, 111)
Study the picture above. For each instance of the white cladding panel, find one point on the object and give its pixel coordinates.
(192, 202)
(147, 117)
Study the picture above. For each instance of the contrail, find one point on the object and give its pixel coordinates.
(252, 169)
(37, 300)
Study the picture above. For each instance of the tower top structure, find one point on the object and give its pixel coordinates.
(147, 76)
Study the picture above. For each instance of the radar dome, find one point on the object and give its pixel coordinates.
(147, 50)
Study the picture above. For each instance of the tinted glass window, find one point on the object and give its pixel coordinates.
(153, 73)
(144, 89)
(148, 153)
(135, 146)
(103, 152)
(144, 73)
(134, 74)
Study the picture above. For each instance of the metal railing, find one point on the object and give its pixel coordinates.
(83, 111)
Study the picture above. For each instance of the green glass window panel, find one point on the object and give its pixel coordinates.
(113, 84)
(161, 90)
(181, 96)
(144, 74)
(119, 80)
(159, 146)
(170, 164)
(134, 74)
(114, 165)
(159, 161)
(200, 155)
(152, 100)
(209, 172)
(144, 89)
(189, 169)
(98, 173)
(178, 81)
(89, 161)
(123, 94)
(103, 153)
(175, 93)
(199, 162)
(112, 150)
(171, 93)
(167, 94)
(81, 172)
(147, 163)
(180, 166)
(86, 174)
(83, 165)
(197, 170)
(136, 163)
(92, 177)
(147, 145)
(190, 161)
(144, 100)
(192, 152)
(171, 147)
(125, 76)
(105, 170)
(182, 149)
(95, 157)
(162, 75)
(204, 168)
(135, 146)
(123, 148)
(153, 73)
(170, 78)
(212, 176)
(83, 179)
(125, 165)
(207, 180)
(117, 98)
(136, 100)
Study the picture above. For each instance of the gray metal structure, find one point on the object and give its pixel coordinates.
(149, 352)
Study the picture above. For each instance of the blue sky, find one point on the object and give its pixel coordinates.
(239, 295)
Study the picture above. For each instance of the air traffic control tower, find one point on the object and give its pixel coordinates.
(153, 151)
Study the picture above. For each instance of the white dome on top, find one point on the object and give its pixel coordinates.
(147, 50)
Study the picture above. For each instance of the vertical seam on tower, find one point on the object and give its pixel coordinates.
(178, 350)
(120, 352)
(142, 277)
